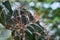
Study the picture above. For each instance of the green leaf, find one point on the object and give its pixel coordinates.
(0, 8)
(3, 18)
(54, 26)
(56, 12)
(58, 32)
(8, 6)
(48, 0)
(35, 8)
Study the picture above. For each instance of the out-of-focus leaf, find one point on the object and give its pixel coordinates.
(35, 8)
(54, 26)
(3, 38)
(17, 0)
(41, 0)
(0, 8)
(1, 28)
(56, 12)
(4, 0)
(58, 32)
(48, 0)
(10, 38)
(5, 34)
(28, 0)
(8, 6)
(57, 0)
(3, 18)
